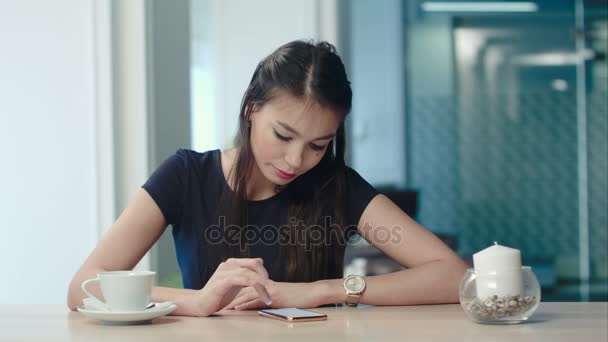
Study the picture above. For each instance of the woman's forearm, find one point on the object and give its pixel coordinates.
(436, 282)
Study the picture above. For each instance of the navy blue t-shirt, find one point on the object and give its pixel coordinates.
(187, 187)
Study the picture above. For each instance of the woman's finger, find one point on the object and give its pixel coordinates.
(241, 300)
(230, 280)
(246, 294)
(251, 305)
(239, 276)
(254, 264)
(263, 293)
(228, 295)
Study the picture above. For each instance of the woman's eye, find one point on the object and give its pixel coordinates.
(284, 138)
(316, 147)
(281, 137)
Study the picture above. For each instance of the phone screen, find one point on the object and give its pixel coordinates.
(293, 313)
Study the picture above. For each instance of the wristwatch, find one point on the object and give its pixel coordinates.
(354, 286)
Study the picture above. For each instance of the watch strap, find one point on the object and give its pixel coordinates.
(352, 299)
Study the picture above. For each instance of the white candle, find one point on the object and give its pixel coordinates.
(498, 270)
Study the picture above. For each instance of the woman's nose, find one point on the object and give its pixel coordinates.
(294, 158)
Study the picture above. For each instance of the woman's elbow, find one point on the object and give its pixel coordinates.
(74, 297)
(457, 270)
(460, 268)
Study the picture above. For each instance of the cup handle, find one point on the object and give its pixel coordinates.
(84, 287)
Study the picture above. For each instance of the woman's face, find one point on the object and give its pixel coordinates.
(289, 136)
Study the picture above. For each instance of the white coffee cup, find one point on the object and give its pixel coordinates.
(124, 290)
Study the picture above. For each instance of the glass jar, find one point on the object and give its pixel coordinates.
(484, 300)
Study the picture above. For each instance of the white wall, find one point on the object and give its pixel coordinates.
(73, 135)
(47, 146)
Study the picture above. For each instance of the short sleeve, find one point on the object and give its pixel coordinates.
(166, 185)
(360, 193)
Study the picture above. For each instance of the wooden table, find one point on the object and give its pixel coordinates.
(552, 322)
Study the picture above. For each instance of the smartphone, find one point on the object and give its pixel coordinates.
(293, 315)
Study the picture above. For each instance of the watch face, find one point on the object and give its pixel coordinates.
(354, 284)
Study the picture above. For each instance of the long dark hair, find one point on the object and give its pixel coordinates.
(311, 71)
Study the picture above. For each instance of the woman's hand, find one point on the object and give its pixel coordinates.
(283, 295)
(229, 278)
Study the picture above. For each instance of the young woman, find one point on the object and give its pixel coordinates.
(277, 209)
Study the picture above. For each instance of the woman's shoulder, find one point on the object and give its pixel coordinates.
(193, 155)
(354, 179)
(192, 159)
(188, 165)
(178, 182)
(360, 190)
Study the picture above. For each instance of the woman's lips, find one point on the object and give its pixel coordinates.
(282, 174)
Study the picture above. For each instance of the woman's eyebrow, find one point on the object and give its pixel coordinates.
(287, 127)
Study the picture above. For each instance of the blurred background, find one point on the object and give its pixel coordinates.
(485, 121)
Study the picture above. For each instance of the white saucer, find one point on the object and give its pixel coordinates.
(128, 317)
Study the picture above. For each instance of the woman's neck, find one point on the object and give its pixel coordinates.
(258, 186)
